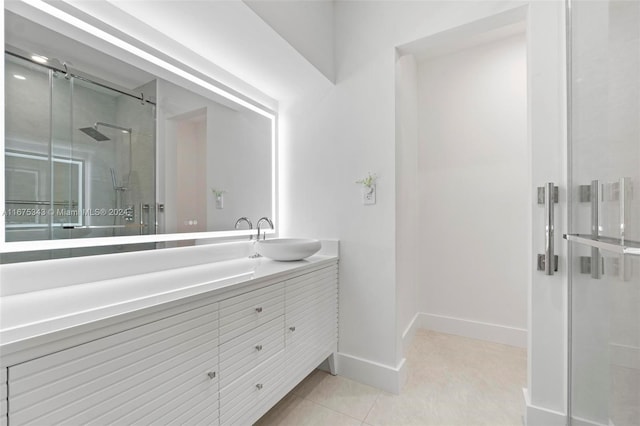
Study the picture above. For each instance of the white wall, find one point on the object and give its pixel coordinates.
(331, 138)
(473, 178)
(306, 24)
(408, 221)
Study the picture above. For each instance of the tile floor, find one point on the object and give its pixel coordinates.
(452, 380)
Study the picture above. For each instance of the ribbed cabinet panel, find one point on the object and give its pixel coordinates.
(239, 401)
(3, 397)
(251, 352)
(300, 283)
(248, 350)
(137, 376)
(243, 313)
(274, 390)
(309, 305)
(311, 318)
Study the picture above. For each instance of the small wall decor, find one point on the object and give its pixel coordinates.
(368, 189)
(219, 196)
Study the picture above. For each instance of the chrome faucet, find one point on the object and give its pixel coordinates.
(244, 219)
(264, 219)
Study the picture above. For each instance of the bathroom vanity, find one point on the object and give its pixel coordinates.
(215, 343)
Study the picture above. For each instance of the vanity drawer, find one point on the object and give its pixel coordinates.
(155, 372)
(250, 349)
(242, 313)
(326, 276)
(242, 402)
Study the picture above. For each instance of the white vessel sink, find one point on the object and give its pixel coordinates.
(288, 249)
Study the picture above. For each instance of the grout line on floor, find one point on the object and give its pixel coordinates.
(334, 410)
(339, 412)
(371, 408)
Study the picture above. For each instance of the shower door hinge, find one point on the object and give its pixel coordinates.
(585, 266)
(541, 192)
(542, 262)
(584, 192)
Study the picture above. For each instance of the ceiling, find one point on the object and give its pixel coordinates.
(476, 33)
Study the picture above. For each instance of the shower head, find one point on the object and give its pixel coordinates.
(95, 134)
(113, 126)
(99, 137)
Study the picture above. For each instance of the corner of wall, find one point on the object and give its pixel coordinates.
(410, 332)
(537, 416)
(381, 376)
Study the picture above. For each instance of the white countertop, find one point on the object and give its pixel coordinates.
(36, 313)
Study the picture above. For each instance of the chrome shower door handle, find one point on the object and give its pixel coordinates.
(548, 261)
(548, 195)
(549, 256)
(596, 257)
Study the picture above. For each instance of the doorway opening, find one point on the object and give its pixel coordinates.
(463, 161)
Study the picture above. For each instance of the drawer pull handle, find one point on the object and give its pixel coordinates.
(259, 386)
(211, 374)
(258, 347)
(292, 328)
(259, 309)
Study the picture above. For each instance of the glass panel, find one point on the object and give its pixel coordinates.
(112, 135)
(605, 176)
(62, 152)
(27, 154)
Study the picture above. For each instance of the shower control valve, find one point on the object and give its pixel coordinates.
(129, 215)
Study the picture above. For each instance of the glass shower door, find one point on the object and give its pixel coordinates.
(108, 142)
(27, 155)
(605, 213)
(79, 156)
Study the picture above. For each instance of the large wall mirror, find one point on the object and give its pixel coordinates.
(96, 148)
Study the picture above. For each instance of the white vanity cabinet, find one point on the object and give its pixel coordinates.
(164, 372)
(311, 321)
(223, 359)
(295, 329)
(252, 343)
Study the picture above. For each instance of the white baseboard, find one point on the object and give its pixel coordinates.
(474, 329)
(391, 379)
(577, 421)
(372, 373)
(537, 416)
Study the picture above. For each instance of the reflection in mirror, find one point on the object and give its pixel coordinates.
(95, 147)
(26, 189)
(68, 164)
(217, 160)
